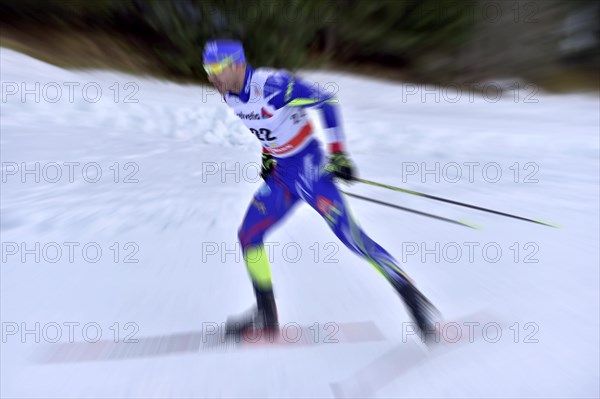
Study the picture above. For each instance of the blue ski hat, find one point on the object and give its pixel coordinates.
(217, 50)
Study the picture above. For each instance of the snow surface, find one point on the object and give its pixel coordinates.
(172, 141)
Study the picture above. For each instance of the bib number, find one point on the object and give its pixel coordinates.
(263, 134)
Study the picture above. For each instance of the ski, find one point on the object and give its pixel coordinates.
(449, 335)
(294, 335)
(210, 338)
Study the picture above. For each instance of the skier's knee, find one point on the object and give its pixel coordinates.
(247, 238)
(243, 237)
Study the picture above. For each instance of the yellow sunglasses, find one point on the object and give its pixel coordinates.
(217, 68)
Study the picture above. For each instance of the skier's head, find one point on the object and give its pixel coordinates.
(225, 64)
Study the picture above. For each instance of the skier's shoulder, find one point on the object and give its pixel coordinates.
(273, 80)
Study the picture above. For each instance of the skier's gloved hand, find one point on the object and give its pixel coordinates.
(268, 165)
(341, 166)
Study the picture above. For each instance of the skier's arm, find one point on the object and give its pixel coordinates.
(289, 91)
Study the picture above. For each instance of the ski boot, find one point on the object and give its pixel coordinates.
(421, 310)
(260, 319)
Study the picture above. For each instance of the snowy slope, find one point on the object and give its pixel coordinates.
(175, 209)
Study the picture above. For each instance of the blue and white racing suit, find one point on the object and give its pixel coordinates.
(272, 105)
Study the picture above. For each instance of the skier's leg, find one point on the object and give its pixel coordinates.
(327, 200)
(269, 205)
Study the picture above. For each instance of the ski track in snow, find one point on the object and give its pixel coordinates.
(173, 139)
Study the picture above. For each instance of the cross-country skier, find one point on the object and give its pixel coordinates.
(271, 103)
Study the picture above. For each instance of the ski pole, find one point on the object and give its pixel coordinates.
(462, 223)
(404, 190)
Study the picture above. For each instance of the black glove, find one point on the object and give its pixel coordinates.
(341, 166)
(268, 165)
